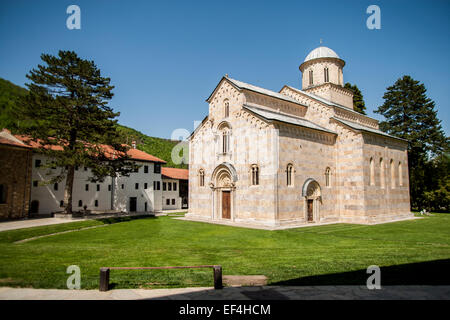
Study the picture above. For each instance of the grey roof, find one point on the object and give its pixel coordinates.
(360, 127)
(328, 102)
(250, 87)
(273, 115)
(321, 52)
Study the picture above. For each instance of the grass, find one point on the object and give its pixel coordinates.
(408, 252)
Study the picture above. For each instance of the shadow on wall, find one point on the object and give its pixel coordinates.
(436, 272)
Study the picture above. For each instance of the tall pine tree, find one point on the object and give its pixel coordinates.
(66, 112)
(358, 99)
(410, 114)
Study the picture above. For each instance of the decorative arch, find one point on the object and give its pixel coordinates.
(222, 186)
(227, 167)
(311, 188)
(312, 194)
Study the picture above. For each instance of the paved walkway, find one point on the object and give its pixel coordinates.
(28, 223)
(37, 222)
(256, 225)
(236, 293)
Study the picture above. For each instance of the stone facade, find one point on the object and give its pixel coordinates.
(15, 164)
(295, 156)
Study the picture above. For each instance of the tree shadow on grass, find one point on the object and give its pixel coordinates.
(436, 272)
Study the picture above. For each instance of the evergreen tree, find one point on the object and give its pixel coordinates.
(358, 99)
(410, 114)
(66, 113)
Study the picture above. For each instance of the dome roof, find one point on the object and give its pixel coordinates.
(321, 52)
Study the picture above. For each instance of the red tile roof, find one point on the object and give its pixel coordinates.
(175, 173)
(12, 143)
(134, 154)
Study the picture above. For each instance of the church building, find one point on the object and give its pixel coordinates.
(295, 157)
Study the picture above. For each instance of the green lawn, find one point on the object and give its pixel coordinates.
(418, 250)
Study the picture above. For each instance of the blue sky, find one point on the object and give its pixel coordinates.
(165, 57)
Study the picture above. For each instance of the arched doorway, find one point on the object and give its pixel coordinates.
(222, 187)
(312, 193)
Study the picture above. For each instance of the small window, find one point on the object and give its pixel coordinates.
(225, 142)
(158, 185)
(61, 203)
(98, 187)
(96, 203)
(37, 163)
(173, 201)
(35, 183)
(289, 171)
(169, 186)
(392, 174)
(327, 177)
(255, 175)
(174, 186)
(400, 174)
(201, 176)
(136, 186)
(167, 202)
(80, 203)
(326, 75)
(55, 187)
(3, 195)
(145, 185)
(311, 81)
(122, 186)
(157, 168)
(227, 109)
(381, 173)
(372, 172)
(164, 186)
(86, 187)
(145, 169)
(109, 187)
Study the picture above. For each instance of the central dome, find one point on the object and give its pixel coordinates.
(321, 52)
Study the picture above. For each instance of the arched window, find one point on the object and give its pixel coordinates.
(392, 174)
(311, 81)
(255, 174)
(326, 75)
(400, 174)
(289, 174)
(381, 173)
(201, 177)
(372, 172)
(227, 109)
(327, 176)
(225, 141)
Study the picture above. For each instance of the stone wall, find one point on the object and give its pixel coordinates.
(15, 164)
(310, 152)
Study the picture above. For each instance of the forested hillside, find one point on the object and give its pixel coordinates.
(159, 147)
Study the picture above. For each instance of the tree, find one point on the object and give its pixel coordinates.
(410, 114)
(66, 114)
(358, 99)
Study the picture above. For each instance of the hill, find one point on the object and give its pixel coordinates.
(159, 147)
(9, 93)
